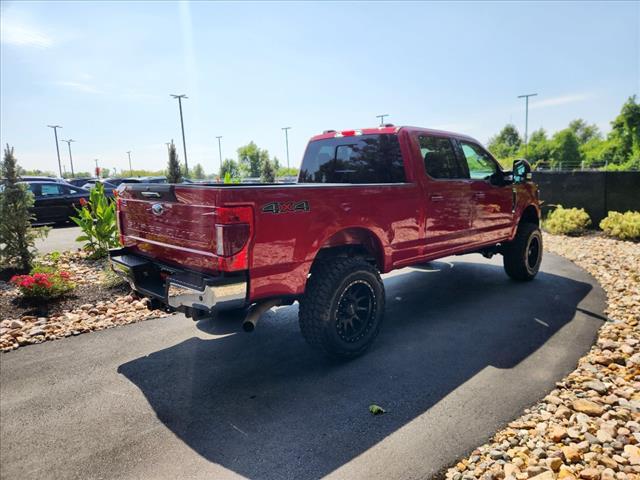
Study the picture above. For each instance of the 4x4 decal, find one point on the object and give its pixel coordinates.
(286, 207)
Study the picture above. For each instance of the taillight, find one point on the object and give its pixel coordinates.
(233, 229)
(231, 238)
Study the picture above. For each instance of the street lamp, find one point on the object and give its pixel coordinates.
(526, 120)
(381, 117)
(286, 139)
(130, 169)
(70, 157)
(55, 133)
(220, 150)
(184, 144)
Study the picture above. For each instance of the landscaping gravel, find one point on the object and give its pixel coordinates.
(94, 305)
(589, 426)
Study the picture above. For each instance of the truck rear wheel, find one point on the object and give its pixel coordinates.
(523, 255)
(343, 306)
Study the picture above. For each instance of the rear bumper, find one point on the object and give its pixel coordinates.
(179, 288)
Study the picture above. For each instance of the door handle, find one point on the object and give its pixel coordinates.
(436, 198)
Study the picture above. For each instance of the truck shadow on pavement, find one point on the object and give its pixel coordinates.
(266, 406)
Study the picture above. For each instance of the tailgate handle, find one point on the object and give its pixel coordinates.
(150, 194)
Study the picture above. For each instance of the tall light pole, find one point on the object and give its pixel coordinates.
(220, 150)
(184, 144)
(381, 117)
(286, 139)
(70, 157)
(130, 169)
(526, 121)
(55, 133)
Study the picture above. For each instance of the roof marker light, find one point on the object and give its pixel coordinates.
(348, 133)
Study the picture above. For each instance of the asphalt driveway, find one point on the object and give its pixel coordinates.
(60, 239)
(463, 351)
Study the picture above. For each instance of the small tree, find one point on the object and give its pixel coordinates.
(229, 166)
(17, 237)
(198, 172)
(268, 172)
(174, 173)
(565, 150)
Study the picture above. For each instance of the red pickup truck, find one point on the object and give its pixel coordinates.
(366, 202)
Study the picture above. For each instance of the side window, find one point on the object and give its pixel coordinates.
(481, 165)
(34, 188)
(440, 159)
(70, 190)
(50, 189)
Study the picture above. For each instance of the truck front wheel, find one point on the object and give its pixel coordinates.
(523, 255)
(343, 306)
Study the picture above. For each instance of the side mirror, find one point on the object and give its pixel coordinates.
(521, 171)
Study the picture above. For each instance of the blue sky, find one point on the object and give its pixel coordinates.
(104, 71)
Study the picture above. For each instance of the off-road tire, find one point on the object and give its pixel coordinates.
(328, 286)
(523, 255)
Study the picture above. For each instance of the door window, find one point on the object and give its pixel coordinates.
(440, 159)
(481, 165)
(50, 189)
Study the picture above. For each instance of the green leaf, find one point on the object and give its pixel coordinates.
(376, 409)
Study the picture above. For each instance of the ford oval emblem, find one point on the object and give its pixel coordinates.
(157, 209)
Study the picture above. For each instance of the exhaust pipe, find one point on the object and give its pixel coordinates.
(256, 311)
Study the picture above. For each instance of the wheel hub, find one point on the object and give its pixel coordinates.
(356, 311)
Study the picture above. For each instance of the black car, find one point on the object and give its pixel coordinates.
(80, 181)
(108, 187)
(117, 180)
(54, 201)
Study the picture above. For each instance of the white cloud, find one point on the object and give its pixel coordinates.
(82, 87)
(561, 100)
(22, 35)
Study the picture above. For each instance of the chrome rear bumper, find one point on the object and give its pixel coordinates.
(179, 288)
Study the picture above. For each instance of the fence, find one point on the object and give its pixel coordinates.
(596, 192)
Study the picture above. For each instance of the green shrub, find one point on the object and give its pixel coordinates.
(97, 220)
(17, 237)
(567, 221)
(625, 226)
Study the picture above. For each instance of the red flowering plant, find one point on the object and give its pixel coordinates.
(43, 286)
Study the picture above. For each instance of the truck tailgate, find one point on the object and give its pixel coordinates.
(175, 225)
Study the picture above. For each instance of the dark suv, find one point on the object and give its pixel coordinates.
(54, 202)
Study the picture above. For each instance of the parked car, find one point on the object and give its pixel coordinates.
(109, 188)
(55, 201)
(366, 202)
(36, 178)
(118, 180)
(80, 181)
(153, 179)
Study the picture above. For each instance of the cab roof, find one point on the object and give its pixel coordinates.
(388, 129)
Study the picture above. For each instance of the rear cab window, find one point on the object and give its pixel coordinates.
(353, 159)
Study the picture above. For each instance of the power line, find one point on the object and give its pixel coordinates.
(70, 157)
(286, 139)
(220, 150)
(184, 144)
(381, 117)
(526, 121)
(130, 169)
(55, 133)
